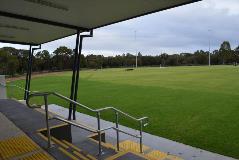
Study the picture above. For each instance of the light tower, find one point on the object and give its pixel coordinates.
(209, 48)
(136, 55)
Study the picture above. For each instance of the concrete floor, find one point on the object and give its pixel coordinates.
(8, 129)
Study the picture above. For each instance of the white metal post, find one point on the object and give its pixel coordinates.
(209, 49)
(136, 55)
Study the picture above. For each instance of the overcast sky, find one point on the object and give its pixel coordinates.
(184, 29)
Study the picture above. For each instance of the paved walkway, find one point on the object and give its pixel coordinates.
(155, 142)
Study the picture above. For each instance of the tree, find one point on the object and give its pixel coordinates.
(172, 60)
(236, 55)
(236, 50)
(10, 50)
(8, 63)
(15, 60)
(225, 51)
(200, 57)
(215, 60)
(42, 61)
(22, 57)
(164, 58)
(94, 61)
(130, 60)
(12, 65)
(62, 58)
(139, 59)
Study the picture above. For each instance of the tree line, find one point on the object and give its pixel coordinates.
(14, 61)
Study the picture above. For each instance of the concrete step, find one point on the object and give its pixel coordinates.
(68, 148)
(32, 122)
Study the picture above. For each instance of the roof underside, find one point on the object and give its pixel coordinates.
(41, 21)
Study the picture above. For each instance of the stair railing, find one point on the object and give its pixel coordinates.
(142, 121)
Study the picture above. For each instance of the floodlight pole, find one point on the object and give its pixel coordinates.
(209, 49)
(136, 56)
(136, 63)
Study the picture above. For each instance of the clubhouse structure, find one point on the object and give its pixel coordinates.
(48, 131)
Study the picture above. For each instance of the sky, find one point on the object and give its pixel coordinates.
(184, 29)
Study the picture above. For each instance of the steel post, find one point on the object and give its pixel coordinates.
(47, 123)
(77, 76)
(30, 70)
(141, 136)
(74, 67)
(78, 70)
(27, 75)
(117, 127)
(99, 133)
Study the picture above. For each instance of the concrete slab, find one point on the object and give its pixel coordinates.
(8, 129)
(158, 143)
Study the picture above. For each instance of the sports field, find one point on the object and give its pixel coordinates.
(198, 106)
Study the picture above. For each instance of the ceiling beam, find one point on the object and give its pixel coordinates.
(32, 19)
(15, 42)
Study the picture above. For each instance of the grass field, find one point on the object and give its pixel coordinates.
(198, 106)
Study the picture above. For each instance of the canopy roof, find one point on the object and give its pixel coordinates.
(41, 21)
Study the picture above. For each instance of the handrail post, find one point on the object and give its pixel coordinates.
(99, 133)
(11, 91)
(141, 136)
(47, 123)
(117, 128)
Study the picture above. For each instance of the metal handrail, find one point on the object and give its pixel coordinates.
(88, 108)
(143, 121)
(75, 124)
(125, 114)
(12, 85)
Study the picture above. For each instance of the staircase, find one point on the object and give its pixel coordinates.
(91, 143)
(129, 150)
(118, 113)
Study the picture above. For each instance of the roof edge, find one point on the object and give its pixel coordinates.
(82, 29)
(144, 14)
(43, 21)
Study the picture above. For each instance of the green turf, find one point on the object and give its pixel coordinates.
(198, 106)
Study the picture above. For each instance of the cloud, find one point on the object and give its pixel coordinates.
(183, 29)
